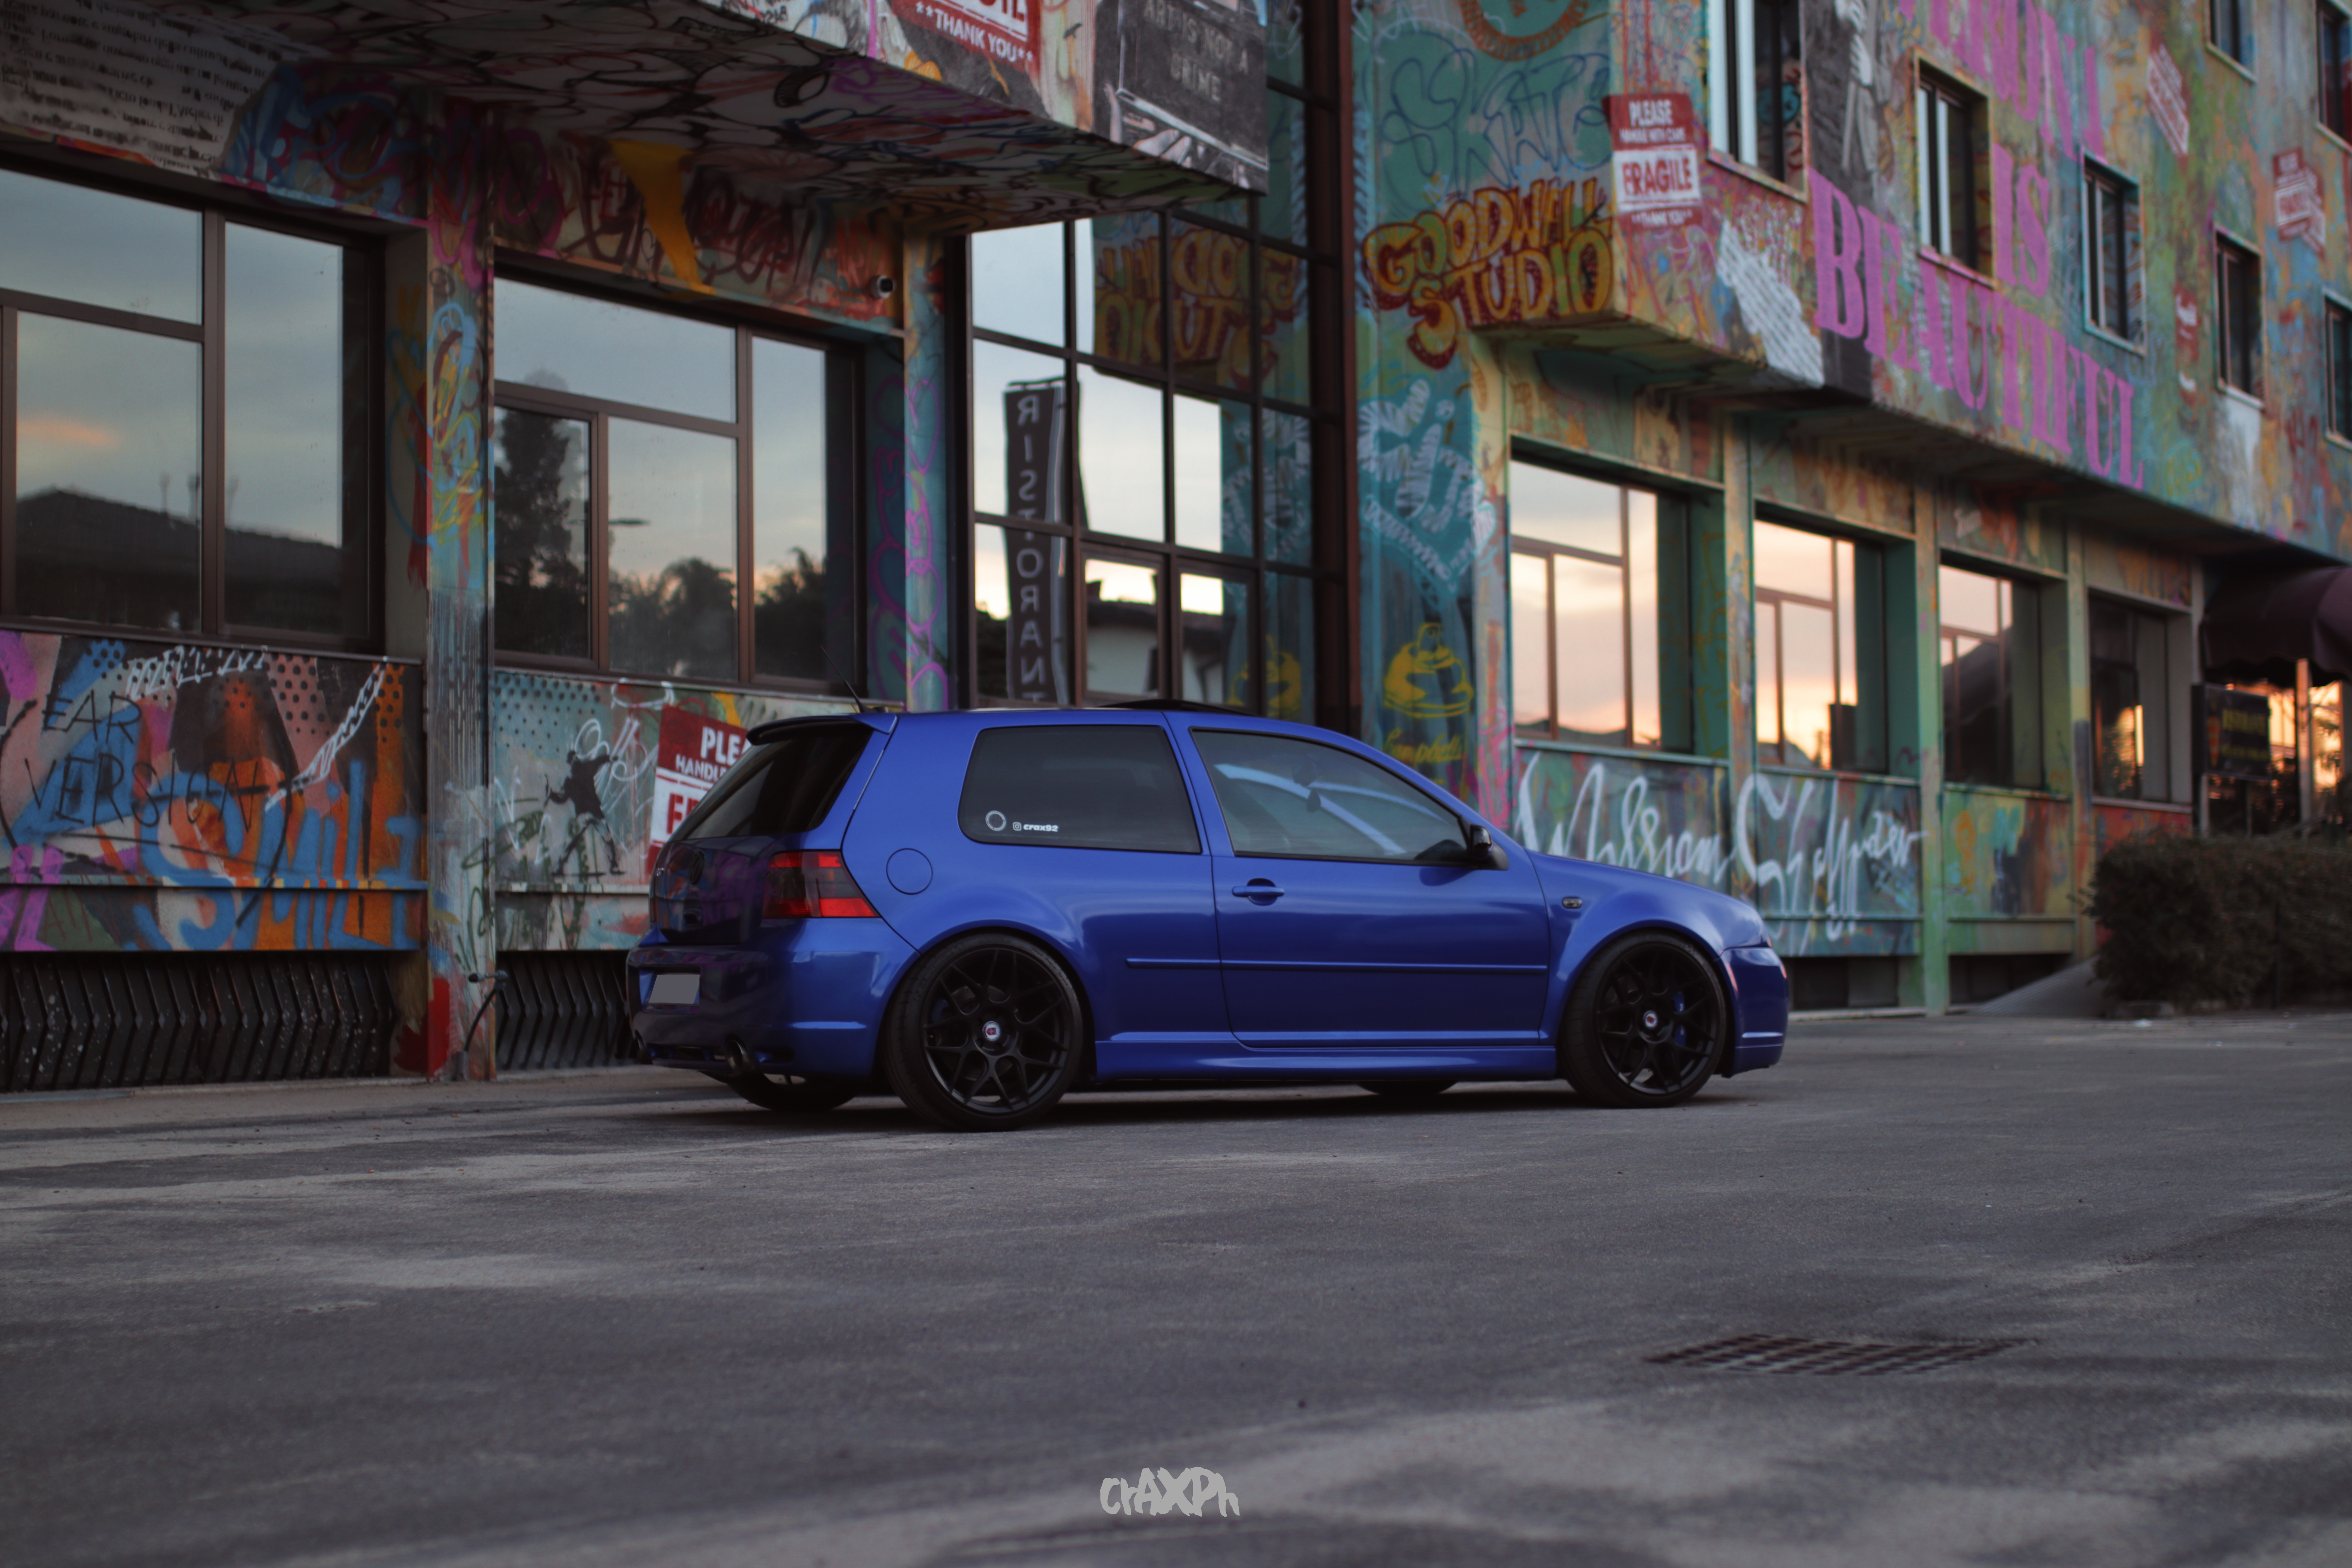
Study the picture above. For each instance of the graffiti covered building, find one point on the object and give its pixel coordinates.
(1792, 445)
(1816, 428)
(435, 431)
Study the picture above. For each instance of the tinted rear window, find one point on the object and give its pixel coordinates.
(785, 786)
(1078, 786)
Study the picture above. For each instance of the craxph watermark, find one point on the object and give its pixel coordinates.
(1157, 1492)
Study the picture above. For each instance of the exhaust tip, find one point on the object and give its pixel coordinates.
(639, 1049)
(738, 1060)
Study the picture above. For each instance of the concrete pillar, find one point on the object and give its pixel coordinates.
(1927, 737)
(452, 505)
(2067, 679)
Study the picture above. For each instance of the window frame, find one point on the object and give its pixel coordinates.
(845, 491)
(1331, 497)
(1737, 126)
(1672, 514)
(217, 211)
(2335, 340)
(2011, 684)
(2104, 189)
(1409, 780)
(2333, 25)
(2229, 32)
(2142, 615)
(1870, 555)
(1933, 163)
(2233, 258)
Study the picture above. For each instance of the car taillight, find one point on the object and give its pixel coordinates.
(806, 883)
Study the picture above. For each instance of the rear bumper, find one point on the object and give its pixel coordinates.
(805, 996)
(1760, 1000)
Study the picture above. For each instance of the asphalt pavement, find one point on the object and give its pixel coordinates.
(623, 1317)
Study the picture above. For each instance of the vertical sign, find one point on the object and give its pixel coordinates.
(1034, 564)
(1655, 159)
(2298, 206)
(692, 754)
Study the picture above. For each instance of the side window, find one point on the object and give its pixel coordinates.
(1304, 801)
(1078, 786)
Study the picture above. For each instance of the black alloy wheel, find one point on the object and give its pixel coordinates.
(986, 1034)
(791, 1094)
(1647, 1024)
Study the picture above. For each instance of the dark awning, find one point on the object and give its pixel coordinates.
(2257, 627)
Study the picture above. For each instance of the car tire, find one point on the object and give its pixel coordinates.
(798, 1096)
(1647, 1024)
(1410, 1089)
(985, 1035)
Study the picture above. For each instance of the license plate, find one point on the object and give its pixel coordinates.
(677, 988)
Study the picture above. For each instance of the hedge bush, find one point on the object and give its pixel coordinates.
(2192, 919)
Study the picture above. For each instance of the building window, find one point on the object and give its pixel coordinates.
(645, 465)
(2232, 29)
(1945, 116)
(1990, 629)
(1756, 84)
(2339, 369)
(1599, 612)
(1146, 420)
(2131, 702)
(2111, 212)
(190, 424)
(2335, 69)
(1820, 689)
(2238, 315)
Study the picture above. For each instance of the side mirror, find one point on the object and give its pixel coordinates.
(1484, 854)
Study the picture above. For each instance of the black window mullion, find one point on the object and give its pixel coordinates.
(9, 458)
(211, 593)
(600, 585)
(1551, 645)
(746, 652)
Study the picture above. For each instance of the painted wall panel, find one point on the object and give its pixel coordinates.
(159, 796)
(2007, 855)
(573, 803)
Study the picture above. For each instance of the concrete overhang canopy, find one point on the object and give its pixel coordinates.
(969, 121)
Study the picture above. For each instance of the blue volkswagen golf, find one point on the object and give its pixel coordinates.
(982, 911)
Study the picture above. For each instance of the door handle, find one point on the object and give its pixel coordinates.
(1258, 891)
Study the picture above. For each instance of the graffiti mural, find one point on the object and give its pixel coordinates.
(2007, 855)
(166, 796)
(1832, 863)
(582, 790)
(1662, 818)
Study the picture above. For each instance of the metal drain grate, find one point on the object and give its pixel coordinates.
(1825, 1358)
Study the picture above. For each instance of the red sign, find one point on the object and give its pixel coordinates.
(1005, 30)
(2298, 204)
(1656, 158)
(693, 753)
(1639, 119)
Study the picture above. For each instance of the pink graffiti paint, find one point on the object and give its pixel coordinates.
(1838, 300)
(2013, 353)
(1878, 280)
(2004, 170)
(16, 669)
(2029, 83)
